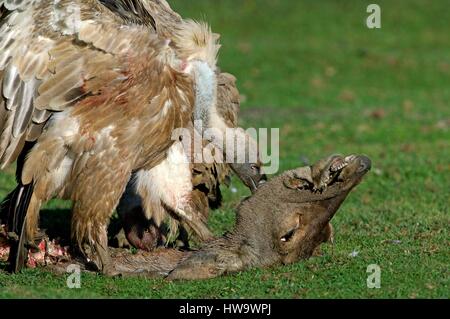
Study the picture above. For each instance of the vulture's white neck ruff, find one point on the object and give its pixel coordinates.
(205, 93)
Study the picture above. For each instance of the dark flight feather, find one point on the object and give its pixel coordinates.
(130, 10)
(18, 207)
(14, 210)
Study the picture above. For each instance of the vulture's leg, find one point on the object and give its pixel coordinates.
(96, 193)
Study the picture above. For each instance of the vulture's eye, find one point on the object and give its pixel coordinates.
(255, 167)
(288, 235)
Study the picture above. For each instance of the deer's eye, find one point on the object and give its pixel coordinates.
(288, 236)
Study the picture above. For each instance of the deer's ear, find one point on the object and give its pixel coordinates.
(298, 178)
(200, 265)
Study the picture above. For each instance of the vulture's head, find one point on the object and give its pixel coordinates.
(215, 115)
(250, 173)
(216, 99)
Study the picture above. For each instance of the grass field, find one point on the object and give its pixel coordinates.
(314, 70)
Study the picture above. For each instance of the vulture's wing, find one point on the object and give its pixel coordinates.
(55, 53)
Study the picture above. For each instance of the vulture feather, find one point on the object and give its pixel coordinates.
(91, 91)
(142, 219)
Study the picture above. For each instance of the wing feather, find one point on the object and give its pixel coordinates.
(23, 114)
(53, 90)
(13, 150)
(34, 131)
(11, 84)
(3, 114)
(228, 99)
(5, 137)
(55, 53)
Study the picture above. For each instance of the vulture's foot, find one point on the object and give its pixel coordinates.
(106, 265)
(196, 221)
(98, 257)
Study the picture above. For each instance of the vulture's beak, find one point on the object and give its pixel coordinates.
(258, 182)
(250, 174)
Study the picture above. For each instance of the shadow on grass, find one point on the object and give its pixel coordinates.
(57, 224)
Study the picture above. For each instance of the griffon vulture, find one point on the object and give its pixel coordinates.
(142, 219)
(90, 93)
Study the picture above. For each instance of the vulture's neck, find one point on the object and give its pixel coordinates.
(207, 116)
(205, 94)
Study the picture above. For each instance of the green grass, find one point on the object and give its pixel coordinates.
(312, 69)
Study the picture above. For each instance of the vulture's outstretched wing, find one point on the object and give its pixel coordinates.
(54, 54)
